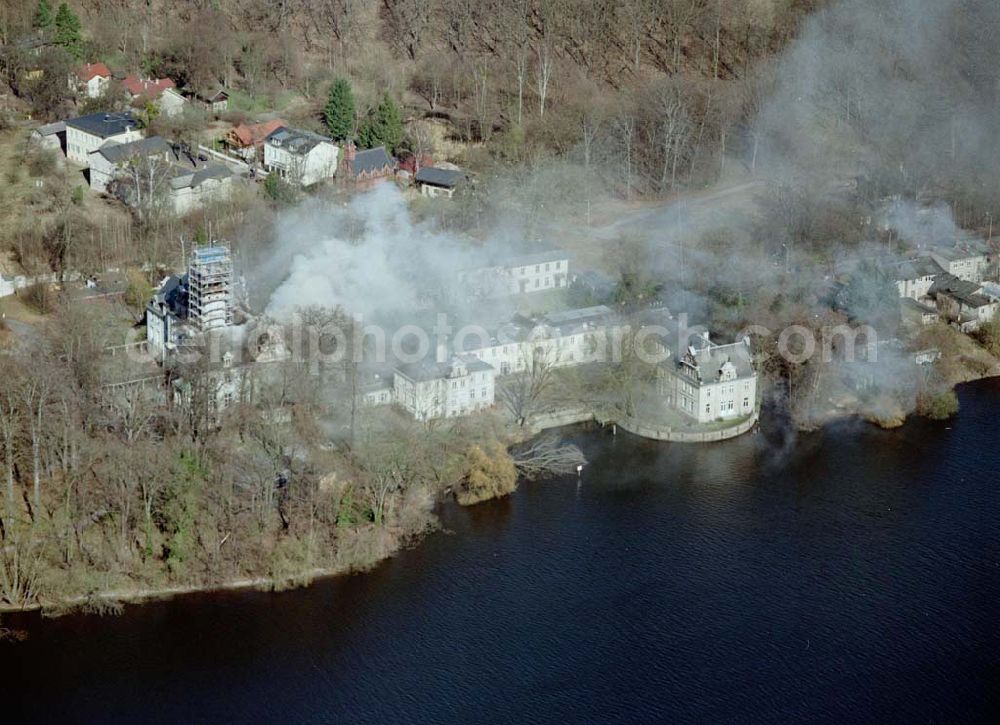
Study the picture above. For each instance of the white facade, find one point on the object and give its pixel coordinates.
(970, 264)
(711, 382)
(186, 197)
(434, 390)
(171, 103)
(563, 339)
(80, 142)
(300, 157)
(527, 274)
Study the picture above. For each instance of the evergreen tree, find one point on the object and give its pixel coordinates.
(382, 127)
(43, 15)
(339, 110)
(68, 30)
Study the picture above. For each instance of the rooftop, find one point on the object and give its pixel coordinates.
(917, 268)
(445, 178)
(92, 70)
(376, 159)
(104, 125)
(254, 134)
(709, 360)
(143, 148)
(430, 369)
(296, 141)
(149, 87)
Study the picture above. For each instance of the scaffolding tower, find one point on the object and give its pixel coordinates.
(210, 287)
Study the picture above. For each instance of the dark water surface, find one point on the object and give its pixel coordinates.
(850, 575)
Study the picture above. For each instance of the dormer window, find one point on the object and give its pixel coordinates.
(727, 371)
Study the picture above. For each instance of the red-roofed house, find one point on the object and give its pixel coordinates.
(90, 79)
(247, 140)
(161, 91)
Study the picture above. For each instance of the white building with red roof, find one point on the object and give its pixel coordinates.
(161, 91)
(90, 79)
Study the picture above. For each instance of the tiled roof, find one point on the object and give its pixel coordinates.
(92, 70)
(254, 134)
(146, 87)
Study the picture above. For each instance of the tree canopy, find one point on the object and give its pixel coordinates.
(67, 33)
(383, 126)
(43, 15)
(339, 110)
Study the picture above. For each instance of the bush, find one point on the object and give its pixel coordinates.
(490, 474)
(41, 162)
(938, 406)
(39, 297)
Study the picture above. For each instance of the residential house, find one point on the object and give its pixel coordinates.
(707, 382)
(90, 132)
(195, 182)
(161, 91)
(368, 167)
(107, 162)
(164, 316)
(432, 181)
(963, 303)
(967, 259)
(188, 180)
(247, 140)
(91, 79)
(914, 277)
(300, 157)
(50, 136)
(214, 101)
(917, 314)
(518, 275)
(429, 390)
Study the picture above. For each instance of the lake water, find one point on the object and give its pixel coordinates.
(844, 576)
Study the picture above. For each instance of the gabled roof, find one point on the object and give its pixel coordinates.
(51, 128)
(430, 369)
(253, 134)
(445, 178)
(92, 70)
(295, 140)
(186, 178)
(212, 96)
(917, 268)
(104, 125)
(143, 148)
(370, 160)
(709, 360)
(149, 88)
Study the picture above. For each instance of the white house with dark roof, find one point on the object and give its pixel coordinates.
(708, 382)
(914, 277)
(429, 390)
(963, 303)
(967, 259)
(89, 133)
(432, 181)
(300, 157)
(107, 162)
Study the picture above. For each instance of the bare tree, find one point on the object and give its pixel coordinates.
(543, 74)
(523, 393)
(547, 456)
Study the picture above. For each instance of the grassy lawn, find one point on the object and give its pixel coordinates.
(260, 103)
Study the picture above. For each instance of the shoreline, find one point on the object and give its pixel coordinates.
(78, 604)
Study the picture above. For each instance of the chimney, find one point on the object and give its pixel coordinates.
(350, 150)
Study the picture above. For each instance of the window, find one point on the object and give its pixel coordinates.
(546, 266)
(746, 402)
(558, 265)
(536, 283)
(538, 268)
(484, 392)
(708, 409)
